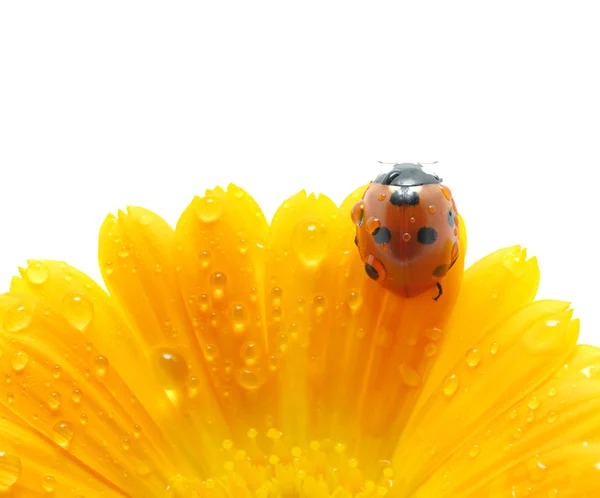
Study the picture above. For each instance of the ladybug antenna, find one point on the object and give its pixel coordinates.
(434, 162)
(382, 162)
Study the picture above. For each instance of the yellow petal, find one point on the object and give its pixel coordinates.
(59, 384)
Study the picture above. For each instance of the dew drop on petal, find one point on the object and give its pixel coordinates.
(536, 469)
(552, 417)
(248, 379)
(10, 467)
(473, 357)
(474, 451)
(409, 375)
(18, 318)
(450, 385)
(171, 367)
(78, 309)
(83, 419)
(494, 348)
(54, 401)
(238, 318)
(101, 366)
(249, 353)
(434, 334)
(49, 484)
(204, 258)
(309, 240)
(19, 361)
(76, 396)
(218, 282)
(62, 434)
(37, 272)
(430, 350)
(373, 224)
(208, 209)
(354, 300)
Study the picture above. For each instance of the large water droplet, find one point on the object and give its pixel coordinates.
(218, 282)
(238, 318)
(101, 366)
(54, 401)
(249, 353)
(473, 357)
(354, 300)
(19, 360)
(208, 209)
(248, 379)
(37, 272)
(78, 310)
(18, 318)
(310, 242)
(450, 385)
(10, 467)
(171, 367)
(62, 434)
(513, 262)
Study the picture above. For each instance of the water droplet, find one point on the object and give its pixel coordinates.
(474, 451)
(431, 209)
(513, 414)
(56, 371)
(493, 348)
(126, 444)
(54, 401)
(145, 219)
(273, 362)
(533, 403)
(373, 224)
(530, 417)
(101, 366)
(76, 396)
(473, 358)
(10, 467)
(382, 196)
(108, 268)
(210, 352)
(412, 220)
(409, 375)
(19, 360)
(434, 334)
(62, 434)
(495, 294)
(320, 302)
(248, 379)
(18, 318)
(78, 310)
(513, 262)
(83, 419)
(10, 398)
(358, 213)
(137, 430)
(249, 353)
(208, 209)
(552, 392)
(354, 300)
(204, 258)
(218, 281)
(171, 367)
(49, 484)
(552, 417)
(238, 318)
(406, 237)
(430, 350)
(37, 272)
(310, 242)
(450, 385)
(123, 252)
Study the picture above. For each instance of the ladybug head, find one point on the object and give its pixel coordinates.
(407, 175)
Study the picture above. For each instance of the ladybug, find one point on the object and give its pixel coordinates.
(407, 230)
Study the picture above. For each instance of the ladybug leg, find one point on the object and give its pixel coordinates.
(440, 291)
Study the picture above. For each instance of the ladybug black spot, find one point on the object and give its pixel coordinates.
(441, 270)
(427, 235)
(371, 272)
(382, 235)
(404, 196)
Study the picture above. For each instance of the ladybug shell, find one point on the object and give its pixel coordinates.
(407, 236)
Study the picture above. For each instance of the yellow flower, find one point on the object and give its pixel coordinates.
(234, 359)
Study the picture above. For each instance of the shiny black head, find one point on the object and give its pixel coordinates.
(407, 175)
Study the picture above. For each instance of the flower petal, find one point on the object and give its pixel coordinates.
(220, 240)
(538, 338)
(59, 384)
(537, 446)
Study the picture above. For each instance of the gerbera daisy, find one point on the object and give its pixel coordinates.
(233, 358)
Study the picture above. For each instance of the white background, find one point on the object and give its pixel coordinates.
(108, 104)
